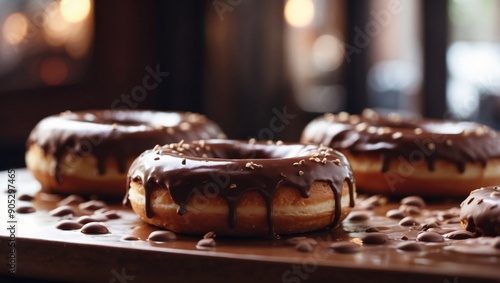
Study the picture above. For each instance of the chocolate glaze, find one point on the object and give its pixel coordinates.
(480, 211)
(393, 138)
(249, 166)
(120, 134)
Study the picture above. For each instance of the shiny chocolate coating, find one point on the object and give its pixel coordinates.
(480, 211)
(239, 167)
(120, 134)
(394, 137)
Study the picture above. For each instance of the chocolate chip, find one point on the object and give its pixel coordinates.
(92, 205)
(409, 247)
(206, 243)
(295, 240)
(71, 199)
(413, 200)
(372, 230)
(410, 209)
(162, 236)
(87, 219)
(62, 211)
(345, 247)
(94, 228)
(110, 214)
(429, 226)
(26, 197)
(209, 235)
(395, 214)
(440, 231)
(358, 216)
(408, 221)
(129, 238)
(68, 225)
(429, 237)
(459, 235)
(25, 209)
(375, 238)
(304, 246)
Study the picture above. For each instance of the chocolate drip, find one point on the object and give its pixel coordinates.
(120, 134)
(188, 169)
(414, 140)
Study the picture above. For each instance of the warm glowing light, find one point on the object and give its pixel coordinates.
(327, 53)
(299, 13)
(15, 28)
(75, 10)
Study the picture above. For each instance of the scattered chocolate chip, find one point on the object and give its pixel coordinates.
(92, 205)
(410, 209)
(62, 211)
(408, 221)
(304, 246)
(372, 229)
(94, 228)
(26, 197)
(429, 237)
(404, 238)
(206, 243)
(395, 214)
(345, 247)
(375, 238)
(413, 200)
(162, 236)
(87, 219)
(67, 224)
(375, 200)
(428, 226)
(358, 216)
(129, 238)
(209, 235)
(71, 199)
(409, 247)
(25, 209)
(459, 235)
(295, 240)
(110, 214)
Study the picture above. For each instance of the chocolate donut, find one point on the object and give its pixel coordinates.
(241, 188)
(89, 152)
(394, 155)
(480, 211)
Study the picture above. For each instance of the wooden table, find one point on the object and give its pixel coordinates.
(44, 252)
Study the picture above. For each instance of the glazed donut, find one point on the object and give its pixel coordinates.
(89, 152)
(480, 211)
(396, 156)
(237, 188)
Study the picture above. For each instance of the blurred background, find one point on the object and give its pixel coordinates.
(259, 68)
